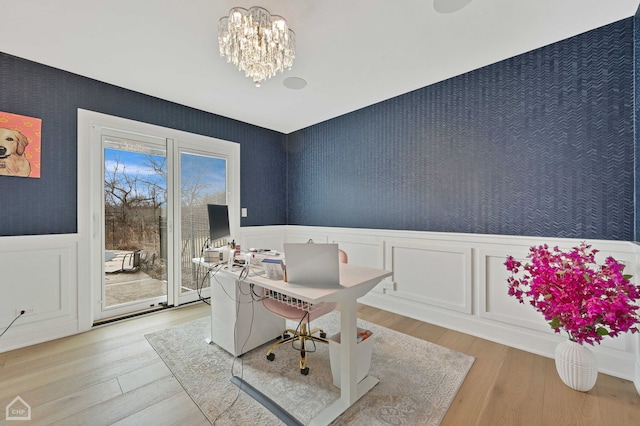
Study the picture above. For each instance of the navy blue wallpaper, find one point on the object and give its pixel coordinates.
(636, 47)
(48, 205)
(541, 144)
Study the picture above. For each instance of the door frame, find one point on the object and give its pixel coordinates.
(90, 258)
(231, 154)
(98, 135)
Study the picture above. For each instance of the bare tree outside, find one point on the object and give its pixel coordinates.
(136, 202)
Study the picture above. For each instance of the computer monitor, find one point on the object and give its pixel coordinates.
(218, 222)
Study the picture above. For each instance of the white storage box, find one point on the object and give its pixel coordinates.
(273, 268)
(216, 255)
(364, 349)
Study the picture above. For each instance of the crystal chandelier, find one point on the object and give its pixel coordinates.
(256, 42)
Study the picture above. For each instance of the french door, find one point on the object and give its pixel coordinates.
(150, 188)
(135, 215)
(203, 180)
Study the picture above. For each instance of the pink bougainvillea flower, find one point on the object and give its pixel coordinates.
(575, 294)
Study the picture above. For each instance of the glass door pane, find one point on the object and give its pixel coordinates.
(203, 180)
(135, 225)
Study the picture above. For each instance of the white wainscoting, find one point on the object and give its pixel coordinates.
(637, 378)
(433, 274)
(458, 281)
(39, 273)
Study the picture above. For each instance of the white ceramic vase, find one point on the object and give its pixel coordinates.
(577, 366)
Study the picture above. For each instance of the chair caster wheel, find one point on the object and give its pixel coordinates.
(304, 371)
(271, 356)
(323, 334)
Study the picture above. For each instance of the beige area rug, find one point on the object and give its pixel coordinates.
(418, 379)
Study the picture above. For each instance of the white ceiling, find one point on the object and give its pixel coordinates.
(352, 53)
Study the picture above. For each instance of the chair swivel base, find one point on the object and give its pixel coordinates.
(303, 336)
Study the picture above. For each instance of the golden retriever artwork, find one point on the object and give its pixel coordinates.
(13, 162)
(20, 146)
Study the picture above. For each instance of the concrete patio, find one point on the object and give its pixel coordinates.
(124, 283)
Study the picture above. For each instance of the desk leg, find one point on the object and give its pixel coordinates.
(348, 331)
(350, 389)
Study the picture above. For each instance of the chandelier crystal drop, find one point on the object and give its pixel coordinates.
(256, 42)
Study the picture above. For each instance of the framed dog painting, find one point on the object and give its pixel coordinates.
(20, 145)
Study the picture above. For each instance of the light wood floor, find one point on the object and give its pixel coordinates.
(111, 375)
(507, 386)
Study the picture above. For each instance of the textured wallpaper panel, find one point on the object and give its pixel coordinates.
(48, 205)
(540, 144)
(636, 47)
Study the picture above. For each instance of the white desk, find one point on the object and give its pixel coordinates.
(356, 281)
(239, 325)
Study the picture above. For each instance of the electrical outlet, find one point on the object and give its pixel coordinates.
(27, 311)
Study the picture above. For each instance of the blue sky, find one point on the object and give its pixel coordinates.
(210, 169)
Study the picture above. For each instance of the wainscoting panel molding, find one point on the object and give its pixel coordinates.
(361, 251)
(364, 251)
(39, 274)
(495, 303)
(453, 280)
(458, 281)
(432, 274)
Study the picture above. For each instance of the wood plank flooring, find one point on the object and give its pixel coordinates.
(507, 386)
(111, 376)
(107, 376)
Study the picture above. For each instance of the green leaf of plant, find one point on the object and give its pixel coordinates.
(627, 276)
(554, 323)
(600, 331)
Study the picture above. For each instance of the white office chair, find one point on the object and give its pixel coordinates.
(302, 312)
